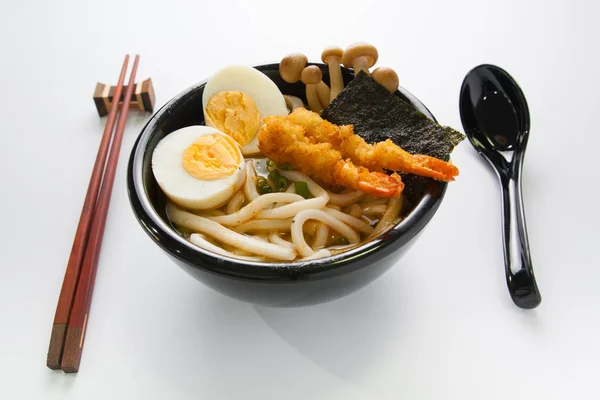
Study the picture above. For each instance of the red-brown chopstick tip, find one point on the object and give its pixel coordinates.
(71, 357)
(55, 350)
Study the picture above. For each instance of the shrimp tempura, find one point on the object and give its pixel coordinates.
(382, 155)
(284, 141)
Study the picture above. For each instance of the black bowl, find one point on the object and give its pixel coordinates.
(272, 284)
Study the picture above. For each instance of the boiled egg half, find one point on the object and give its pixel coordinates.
(236, 99)
(198, 167)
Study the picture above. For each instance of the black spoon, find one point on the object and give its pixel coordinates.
(495, 117)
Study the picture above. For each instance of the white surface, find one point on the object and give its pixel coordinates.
(440, 325)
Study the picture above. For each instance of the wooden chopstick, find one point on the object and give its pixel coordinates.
(67, 292)
(83, 298)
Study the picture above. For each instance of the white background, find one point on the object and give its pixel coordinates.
(440, 325)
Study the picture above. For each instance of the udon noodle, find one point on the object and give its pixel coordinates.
(285, 226)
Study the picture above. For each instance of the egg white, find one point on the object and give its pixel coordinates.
(266, 95)
(182, 188)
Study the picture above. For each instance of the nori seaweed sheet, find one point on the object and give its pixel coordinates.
(378, 115)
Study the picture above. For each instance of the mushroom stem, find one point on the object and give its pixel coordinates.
(313, 98)
(332, 56)
(361, 64)
(293, 102)
(323, 93)
(311, 76)
(360, 56)
(335, 76)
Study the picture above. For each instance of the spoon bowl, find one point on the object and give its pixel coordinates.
(495, 117)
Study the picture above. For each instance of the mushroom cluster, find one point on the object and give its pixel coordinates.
(358, 56)
(292, 69)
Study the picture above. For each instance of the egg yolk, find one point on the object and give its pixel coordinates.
(211, 157)
(234, 113)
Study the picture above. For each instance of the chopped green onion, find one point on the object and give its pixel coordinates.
(270, 164)
(274, 175)
(260, 182)
(285, 167)
(265, 189)
(262, 186)
(302, 189)
(282, 184)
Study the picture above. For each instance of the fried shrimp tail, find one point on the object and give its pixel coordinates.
(393, 157)
(377, 157)
(285, 142)
(373, 183)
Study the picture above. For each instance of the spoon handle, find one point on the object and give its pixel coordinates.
(521, 284)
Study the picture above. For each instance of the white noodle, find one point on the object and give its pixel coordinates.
(219, 232)
(375, 210)
(290, 189)
(344, 199)
(199, 241)
(235, 202)
(392, 212)
(321, 236)
(263, 238)
(272, 213)
(298, 237)
(374, 202)
(265, 225)
(240, 252)
(250, 183)
(355, 210)
(317, 254)
(287, 211)
(231, 249)
(255, 206)
(356, 223)
(209, 213)
(276, 239)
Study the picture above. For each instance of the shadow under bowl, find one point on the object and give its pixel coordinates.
(270, 284)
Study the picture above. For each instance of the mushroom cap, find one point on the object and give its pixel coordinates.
(291, 67)
(386, 77)
(332, 51)
(311, 75)
(359, 49)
